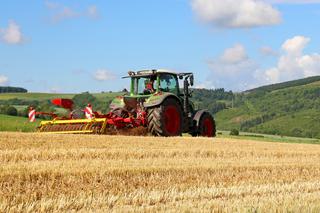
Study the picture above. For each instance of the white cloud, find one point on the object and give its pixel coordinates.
(92, 12)
(236, 13)
(233, 69)
(103, 75)
(268, 51)
(295, 45)
(310, 64)
(12, 34)
(234, 54)
(232, 61)
(3, 80)
(292, 63)
(205, 85)
(293, 1)
(61, 12)
(65, 13)
(272, 75)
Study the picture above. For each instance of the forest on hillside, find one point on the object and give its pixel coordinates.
(283, 85)
(293, 111)
(12, 90)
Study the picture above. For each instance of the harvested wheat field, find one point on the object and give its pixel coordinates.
(42, 173)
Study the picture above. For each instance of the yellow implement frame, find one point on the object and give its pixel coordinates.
(86, 129)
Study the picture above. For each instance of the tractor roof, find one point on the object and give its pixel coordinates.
(144, 73)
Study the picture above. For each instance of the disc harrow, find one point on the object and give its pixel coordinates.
(95, 126)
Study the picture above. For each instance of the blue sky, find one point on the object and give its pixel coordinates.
(76, 46)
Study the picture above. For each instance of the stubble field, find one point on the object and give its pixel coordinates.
(41, 172)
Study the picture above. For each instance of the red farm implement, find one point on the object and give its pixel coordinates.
(155, 103)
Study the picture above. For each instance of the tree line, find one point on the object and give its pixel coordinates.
(13, 90)
(214, 100)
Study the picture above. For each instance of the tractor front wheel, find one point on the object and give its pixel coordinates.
(166, 119)
(207, 126)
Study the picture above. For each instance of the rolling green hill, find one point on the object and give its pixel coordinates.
(272, 87)
(12, 89)
(290, 108)
(49, 96)
(42, 100)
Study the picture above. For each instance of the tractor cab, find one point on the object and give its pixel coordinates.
(149, 82)
(148, 88)
(152, 87)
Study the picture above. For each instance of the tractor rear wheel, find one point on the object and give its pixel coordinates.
(165, 119)
(207, 126)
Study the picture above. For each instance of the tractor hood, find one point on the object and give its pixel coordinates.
(155, 99)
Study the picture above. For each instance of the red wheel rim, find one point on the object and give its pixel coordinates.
(172, 120)
(207, 128)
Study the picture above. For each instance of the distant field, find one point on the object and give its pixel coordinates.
(16, 124)
(66, 173)
(269, 138)
(49, 96)
(21, 124)
(33, 96)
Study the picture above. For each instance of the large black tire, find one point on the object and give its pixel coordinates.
(166, 119)
(206, 126)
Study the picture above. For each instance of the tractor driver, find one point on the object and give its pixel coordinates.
(149, 86)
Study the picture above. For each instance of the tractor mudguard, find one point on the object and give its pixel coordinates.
(197, 116)
(117, 102)
(203, 124)
(158, 98)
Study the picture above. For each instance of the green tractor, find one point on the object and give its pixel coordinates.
(156, 98)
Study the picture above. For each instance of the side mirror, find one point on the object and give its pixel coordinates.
(191, 80)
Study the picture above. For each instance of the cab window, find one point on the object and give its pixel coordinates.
(168, 83)
(145, 85)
